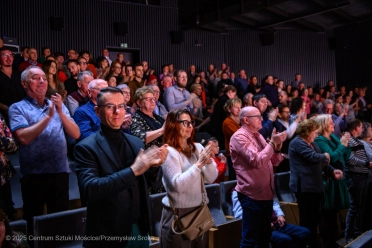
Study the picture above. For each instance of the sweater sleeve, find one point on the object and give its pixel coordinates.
(172, 172)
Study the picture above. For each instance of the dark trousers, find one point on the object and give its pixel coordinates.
(357, 185)
(328, 227)
(232, 174)
(40, 189)
(309, 205)
(6, 201)
(256, 222)
(289, 236)
(367, 218)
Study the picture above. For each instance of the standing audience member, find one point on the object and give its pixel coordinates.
(356, 170)
(177, 97)
(261, 102)
(186, 165)
(229, 126)
(306, 180)
(110, 166)
(247, 99)
(339, 153)
(365, 138)
(282, 124)
(270, 91)
(39, 125)
(136, 83)
(11, 89)
(253, 161)
(8, 145)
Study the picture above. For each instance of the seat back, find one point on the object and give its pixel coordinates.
(226, 189)
(19, 226)
(156, 207)
(284, 193)
(67, 224)
(214, 205)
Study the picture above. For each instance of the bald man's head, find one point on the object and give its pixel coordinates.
(251, 118)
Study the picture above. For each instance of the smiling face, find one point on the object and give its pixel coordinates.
(147, 103)
(36, 84)
(261, 104)
(185, 130)
(235, 109)
(53, 68)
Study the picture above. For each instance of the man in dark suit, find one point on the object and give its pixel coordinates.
(110, 166)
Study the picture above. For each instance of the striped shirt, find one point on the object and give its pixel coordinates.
(358, 161)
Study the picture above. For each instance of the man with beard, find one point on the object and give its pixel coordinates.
(71, 83)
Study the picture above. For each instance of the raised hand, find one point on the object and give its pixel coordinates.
(338, 174)
(57, 101)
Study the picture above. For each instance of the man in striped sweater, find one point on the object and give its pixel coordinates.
(356, 174)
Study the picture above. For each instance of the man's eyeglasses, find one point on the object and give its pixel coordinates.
(126, 92)
(255, 116)
(83, 63)
(112, 107)
(149, 99)
(7, 55)
(187, 123)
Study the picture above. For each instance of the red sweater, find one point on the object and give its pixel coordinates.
(221, 167)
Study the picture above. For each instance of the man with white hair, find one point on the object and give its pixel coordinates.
(40, 125)
(253, 161)
(85, 116)
(80, 97)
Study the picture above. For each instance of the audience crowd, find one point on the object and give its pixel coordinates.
(115, 113)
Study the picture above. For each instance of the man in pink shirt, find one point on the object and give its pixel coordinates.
(253, 159)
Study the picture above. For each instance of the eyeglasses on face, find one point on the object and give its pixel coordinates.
(187, 123)
(112, 107)
(7, 55)
(149, 99)
(255, 116)
(126, 92)
(83, 63)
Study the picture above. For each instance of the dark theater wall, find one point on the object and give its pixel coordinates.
(89, 24)
(354, 55)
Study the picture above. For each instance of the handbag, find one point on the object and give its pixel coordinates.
(196, 223)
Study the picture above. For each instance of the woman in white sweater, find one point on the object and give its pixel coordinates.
(182, 171)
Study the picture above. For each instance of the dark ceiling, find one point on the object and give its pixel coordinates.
(270, 15)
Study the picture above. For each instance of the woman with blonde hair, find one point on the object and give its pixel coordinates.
(307, 163)
(335, 192)
(229, 126)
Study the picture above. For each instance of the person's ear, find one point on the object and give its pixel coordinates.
(96, 109)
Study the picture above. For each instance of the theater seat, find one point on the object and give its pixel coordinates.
(284, 193)
(156, 207)
(226, 189)
(19, 226)
(227, 231)
(67, 224)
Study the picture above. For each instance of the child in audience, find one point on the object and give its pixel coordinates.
(220, 160)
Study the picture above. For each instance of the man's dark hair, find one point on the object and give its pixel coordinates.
(257, 97)
(5, 48)
(43, 49)
(82, 52)
(137, 65)
(106, 90)
(352, 124)
(57, 54)
(72, 61)
(24, 48)
(296, 105)
(281, 106)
